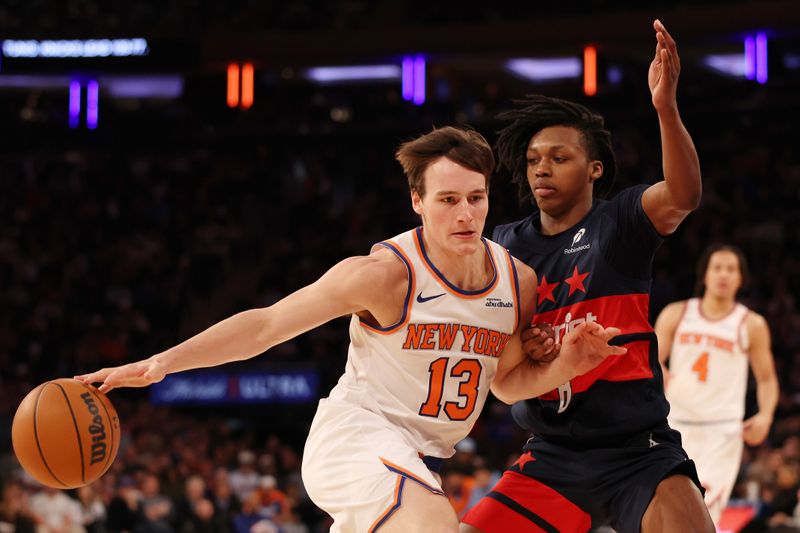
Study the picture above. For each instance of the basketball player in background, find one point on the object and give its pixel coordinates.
(432, 310)
(709, 341)
(601, 451)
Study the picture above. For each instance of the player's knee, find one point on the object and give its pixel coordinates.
(466, 528)
(677, 505)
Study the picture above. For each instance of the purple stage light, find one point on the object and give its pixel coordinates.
(92, 90)
(761, 58)
(408, 78)
(750, 58)
(419, 80)
(74, 103)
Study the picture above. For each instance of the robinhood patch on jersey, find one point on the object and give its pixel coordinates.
(449, 337)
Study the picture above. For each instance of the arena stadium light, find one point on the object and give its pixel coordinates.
(354, 73)
(590, 71)
(92, 104)
(761, 58)
(546, 69)
(74, 103)
(413, 84)
(750, 58)
(91, 48)
(729, 64)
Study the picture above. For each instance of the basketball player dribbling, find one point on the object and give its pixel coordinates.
(709, 341)
(432, 311)
(601, 452)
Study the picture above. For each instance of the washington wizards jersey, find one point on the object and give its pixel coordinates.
(428, 375)
(597, 271)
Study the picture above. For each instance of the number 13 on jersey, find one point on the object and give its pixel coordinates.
(468, 372)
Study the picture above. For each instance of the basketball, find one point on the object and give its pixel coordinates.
(65, 434)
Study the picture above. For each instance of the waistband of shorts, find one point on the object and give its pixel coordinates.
(434, 464)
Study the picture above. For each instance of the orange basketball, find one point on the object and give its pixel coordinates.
(65, 434)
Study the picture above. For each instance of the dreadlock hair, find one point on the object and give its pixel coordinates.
(536, 112)
(705, 259)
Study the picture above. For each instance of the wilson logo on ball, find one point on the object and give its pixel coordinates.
(96, 428)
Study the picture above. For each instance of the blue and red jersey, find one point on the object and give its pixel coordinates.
(598, 270)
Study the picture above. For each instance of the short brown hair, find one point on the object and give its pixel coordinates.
(465, 147)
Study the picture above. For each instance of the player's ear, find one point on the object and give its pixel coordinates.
(595, 169)
(416, 202)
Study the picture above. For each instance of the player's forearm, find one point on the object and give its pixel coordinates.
(767, 393)
(681, 165)
(530, 380)
(238, 337)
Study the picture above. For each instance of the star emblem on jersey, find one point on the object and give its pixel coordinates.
(575, 281)
(545, 290)
(524, 459)
(422, 299)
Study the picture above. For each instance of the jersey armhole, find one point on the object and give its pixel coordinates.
(407, 302)
(514, 278)
(742, 335)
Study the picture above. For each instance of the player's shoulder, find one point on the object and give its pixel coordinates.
(506, 234)
(627, 198)
(673, 311)
(380, 269)
(755, 321)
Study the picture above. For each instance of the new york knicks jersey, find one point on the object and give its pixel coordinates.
(708, 366)
(428, 375)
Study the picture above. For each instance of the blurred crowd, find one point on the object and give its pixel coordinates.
(114, 248)
(94, 18)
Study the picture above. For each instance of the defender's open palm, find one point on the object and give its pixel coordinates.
(586, 346)
(664, 69)
(138, 374)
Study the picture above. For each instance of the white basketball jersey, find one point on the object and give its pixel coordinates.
(428, 375)
(708, 366)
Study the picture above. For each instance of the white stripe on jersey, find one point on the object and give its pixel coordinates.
(708, 366)
(429, 374)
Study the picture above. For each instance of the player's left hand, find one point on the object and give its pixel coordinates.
(664, 69)
(586, 346)
(756, 429)
(539, 344)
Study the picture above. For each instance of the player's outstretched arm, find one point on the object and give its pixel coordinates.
(582, 349)
(668, 202)
(756, 428)
(666, 324)
(348, 287)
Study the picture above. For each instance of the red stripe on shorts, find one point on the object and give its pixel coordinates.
(491, 516)
(538, 499)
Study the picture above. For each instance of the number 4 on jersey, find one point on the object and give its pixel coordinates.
(701, 367)
(467, 389)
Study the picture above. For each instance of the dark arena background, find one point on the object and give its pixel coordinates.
(164, 165)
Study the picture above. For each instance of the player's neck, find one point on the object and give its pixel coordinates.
(467, 272)
(716, 307)
(555, 223)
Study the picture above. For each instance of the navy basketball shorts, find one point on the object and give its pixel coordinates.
(557, 489)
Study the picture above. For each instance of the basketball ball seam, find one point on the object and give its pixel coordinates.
(36, 437)
(77, 431)
(110, 424)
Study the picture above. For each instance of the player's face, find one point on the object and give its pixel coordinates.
(454, 207)
(560, 172)
(723, 275)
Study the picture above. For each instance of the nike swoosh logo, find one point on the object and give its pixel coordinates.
(422, 299)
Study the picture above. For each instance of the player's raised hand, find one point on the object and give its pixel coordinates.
(138, 374)
(664, 69)
(538, 343)
(586, 346)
